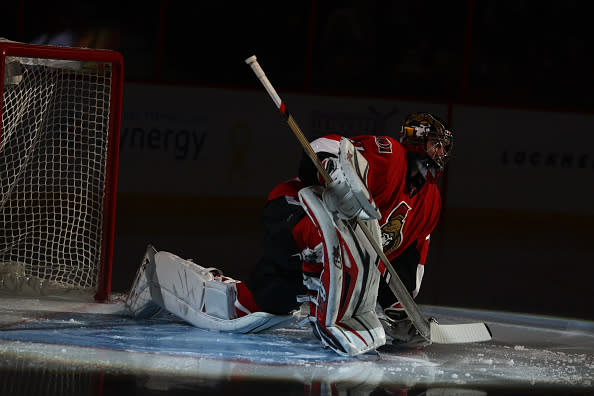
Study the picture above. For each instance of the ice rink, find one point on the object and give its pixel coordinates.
(72, 347)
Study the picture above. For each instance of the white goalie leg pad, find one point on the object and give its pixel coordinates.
(139, 300)
(196, 295)
(345, 319)
(186, 287)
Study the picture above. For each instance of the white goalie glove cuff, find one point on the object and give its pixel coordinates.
(347, 194)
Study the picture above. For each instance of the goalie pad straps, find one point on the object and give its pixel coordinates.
(188, 288)
(343, 299)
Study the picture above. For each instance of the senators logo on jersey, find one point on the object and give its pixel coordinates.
(392, 228)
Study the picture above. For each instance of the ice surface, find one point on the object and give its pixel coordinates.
(526, 351)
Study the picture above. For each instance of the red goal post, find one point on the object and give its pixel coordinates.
(60, 121)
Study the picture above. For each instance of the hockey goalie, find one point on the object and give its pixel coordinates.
(316, 258)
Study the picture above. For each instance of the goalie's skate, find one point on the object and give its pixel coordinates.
(139, 300)
(400, 330)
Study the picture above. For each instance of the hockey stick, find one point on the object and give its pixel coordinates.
(431, 331)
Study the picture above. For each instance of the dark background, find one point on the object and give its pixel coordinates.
(511, 54)
(507, 53)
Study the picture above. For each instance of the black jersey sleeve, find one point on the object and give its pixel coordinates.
(405, 266)
(308, 173)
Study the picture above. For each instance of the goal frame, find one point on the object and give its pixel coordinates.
(11, 48)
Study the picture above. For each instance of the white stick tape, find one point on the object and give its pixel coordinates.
(262, 77)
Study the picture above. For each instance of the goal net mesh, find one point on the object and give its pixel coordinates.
(53, 153)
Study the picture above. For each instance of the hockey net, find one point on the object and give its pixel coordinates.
(59, 144)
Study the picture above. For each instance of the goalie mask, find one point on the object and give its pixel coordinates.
(427, 136)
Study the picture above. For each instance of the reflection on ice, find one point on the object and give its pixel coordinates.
(164, 352)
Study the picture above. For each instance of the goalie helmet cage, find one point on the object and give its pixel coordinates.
(59, 149)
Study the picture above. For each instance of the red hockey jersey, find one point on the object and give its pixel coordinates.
(405, 219)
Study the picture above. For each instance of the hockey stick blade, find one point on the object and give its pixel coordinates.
(459, 333)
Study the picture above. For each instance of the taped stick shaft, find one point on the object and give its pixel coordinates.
(253, 62)
(308, 149)
(395, 283)
(410, 307)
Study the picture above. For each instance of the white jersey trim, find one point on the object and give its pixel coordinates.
(327, 145)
